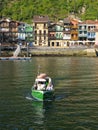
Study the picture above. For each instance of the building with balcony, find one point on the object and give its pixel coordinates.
(82, 31)
(25, 33)
(55, 35)
(86, 30)
(43, 33)
(4, 30)
(91, 26)
(13, 31)
(74, 29)
(67, 29)
(40, 24)
(8, 31)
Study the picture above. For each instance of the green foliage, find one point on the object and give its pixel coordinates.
(24, 10)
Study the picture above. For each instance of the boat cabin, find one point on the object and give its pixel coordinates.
(43, 83)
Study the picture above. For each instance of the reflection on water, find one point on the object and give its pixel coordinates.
(39, 112)
(40, 109)
(76, 94)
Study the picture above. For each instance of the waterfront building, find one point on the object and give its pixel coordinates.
(25, 33)
(42, 32)
(63, 33)
(4, 30)
(82, 31)
(67, 29)
(40, 24)
(87, 31)
(74, 29)
(90, 30)
(96, 31)
(55, 36)
(8, 31)
(13, 31)
(96, 36)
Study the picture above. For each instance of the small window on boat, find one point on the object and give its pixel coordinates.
(40, 82)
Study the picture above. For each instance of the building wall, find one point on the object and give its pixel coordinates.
(59, 35)
(59, 43)
(41, 34)
(96, 37)
(82, 32)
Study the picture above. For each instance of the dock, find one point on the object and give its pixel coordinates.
(15, 58)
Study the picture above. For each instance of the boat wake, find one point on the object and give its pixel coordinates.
(59, 97)
(56, 98)
(31, 98)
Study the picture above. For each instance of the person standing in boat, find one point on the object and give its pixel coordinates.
(49, 84)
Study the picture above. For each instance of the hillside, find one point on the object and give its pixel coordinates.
(24, 10)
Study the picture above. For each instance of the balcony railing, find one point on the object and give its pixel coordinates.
(75, 26)
(74, 32)
(82, 35)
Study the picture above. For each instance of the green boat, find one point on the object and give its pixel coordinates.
(42, 89)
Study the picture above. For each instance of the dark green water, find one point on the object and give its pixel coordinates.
(76, 89)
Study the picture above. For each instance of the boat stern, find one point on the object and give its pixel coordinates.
(43, 95)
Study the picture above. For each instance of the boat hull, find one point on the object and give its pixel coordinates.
(43, 95)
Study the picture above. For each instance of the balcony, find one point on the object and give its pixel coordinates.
(52, 38)
(55, 30)
(90, 37)
(74, 38)
(82, 35)
(4, 29)
(74, 32)
(82, 29)
(75, 26)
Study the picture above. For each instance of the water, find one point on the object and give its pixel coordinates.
(76, 90)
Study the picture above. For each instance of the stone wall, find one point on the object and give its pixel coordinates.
(47, 51)
(63, 51)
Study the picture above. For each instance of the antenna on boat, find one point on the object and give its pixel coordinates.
(39, 69)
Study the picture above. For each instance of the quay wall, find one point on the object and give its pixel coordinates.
(45, 51)
(63, 52)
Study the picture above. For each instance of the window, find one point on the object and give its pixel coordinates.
(35, 25)
(44, 32)
(57, 43)
(52, 43)
(80, 27)
(35, 38)
(44, 37)
(85, 32)
(40, 38)
(35, 32)
(40, 32)
(35, 42)
(44, 25)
